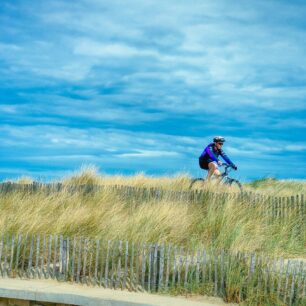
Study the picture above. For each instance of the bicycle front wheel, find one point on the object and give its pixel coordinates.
(236, 186)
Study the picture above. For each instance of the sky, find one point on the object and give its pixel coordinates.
(143, 86)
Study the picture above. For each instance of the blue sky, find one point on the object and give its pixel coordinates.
(133, 86)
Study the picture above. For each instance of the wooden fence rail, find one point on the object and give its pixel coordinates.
(276, 207)
(151, 267)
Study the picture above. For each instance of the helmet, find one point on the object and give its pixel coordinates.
(219, 139)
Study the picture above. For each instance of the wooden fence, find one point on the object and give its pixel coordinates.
(280, 207)
(152, 267)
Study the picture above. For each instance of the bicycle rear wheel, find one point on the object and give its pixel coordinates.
(196, 183)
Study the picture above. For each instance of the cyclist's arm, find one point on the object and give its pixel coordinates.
(211, 154)
(226, 158)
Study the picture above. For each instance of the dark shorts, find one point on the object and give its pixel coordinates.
(203, 163)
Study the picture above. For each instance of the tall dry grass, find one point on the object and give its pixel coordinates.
(104, 214)
(181, 181)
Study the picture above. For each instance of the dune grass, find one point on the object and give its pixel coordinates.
(214, 224)
(104, 214)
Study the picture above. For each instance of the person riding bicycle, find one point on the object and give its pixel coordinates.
(209, 158)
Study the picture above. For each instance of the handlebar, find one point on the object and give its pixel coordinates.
(226, 166)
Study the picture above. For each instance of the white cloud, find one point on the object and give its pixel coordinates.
(148, 154)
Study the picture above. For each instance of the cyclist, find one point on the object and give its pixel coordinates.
(209, 158)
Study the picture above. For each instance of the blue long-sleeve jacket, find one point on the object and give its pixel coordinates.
(211, 153)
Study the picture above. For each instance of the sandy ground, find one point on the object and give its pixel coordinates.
(53, 291)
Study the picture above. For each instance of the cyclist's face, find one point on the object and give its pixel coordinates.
(219, 145)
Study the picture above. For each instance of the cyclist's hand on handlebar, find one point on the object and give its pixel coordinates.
(220, 163)
(234, 167)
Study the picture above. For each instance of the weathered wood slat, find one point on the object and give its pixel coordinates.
(31, 256)
(66, 249)
(112, 283)
(79, 261)
(186, 269)
(150, 258)
(280, 277)
(42, 257)
(161, 269)
(143, 267)
(204, 262)
(168, 267)
(259, 276)
(90, 250)
(132, 278)
(299, 274)
(101, 254)
(216, 274)
(106, 282)
(97, 261)
(17, 252)
(55, 256)
(12, 256)
(272, 287)
(138, 264)
(292, 289)
(126, 259)
(180, 279)
(197, 276)
(72, 276)
(49, 256)
(174, 267)
(37, 256)
(118, 275)
(222, 272)
(266, 281)
(286, 281)
(155, 248)
(85, 246)
(7, 246)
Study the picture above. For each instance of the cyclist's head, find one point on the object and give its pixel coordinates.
(219, 140)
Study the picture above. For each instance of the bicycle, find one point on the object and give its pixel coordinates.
(224, 179)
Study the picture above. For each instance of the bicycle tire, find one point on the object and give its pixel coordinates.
(236, 183)
(194, 181)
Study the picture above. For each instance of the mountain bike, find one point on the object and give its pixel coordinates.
(224, 179)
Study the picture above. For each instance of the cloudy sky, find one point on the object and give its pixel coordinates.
(134, 86)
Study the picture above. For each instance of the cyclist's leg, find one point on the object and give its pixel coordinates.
(213, 170)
